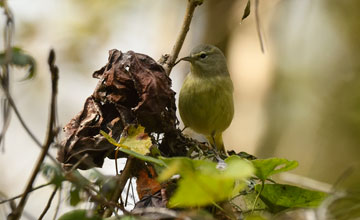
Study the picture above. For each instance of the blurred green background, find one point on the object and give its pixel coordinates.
(299, 100)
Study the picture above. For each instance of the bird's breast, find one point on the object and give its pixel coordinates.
(206, 104)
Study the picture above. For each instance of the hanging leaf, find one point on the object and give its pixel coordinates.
(246, 11)
(267, 167)
(20, 59)
(279, 197)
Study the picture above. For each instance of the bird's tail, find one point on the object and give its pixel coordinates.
(217, 141)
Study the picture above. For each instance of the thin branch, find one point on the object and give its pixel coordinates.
(121, 182)
(132, 191)
(127, 193)
(22, 122)
(18, 196)
(190, 8)
(258, 26)
(258, 195)
(58, 204)
(16, 214)
(48, 203)
(4, 77)
(157, 210)
(78, 163)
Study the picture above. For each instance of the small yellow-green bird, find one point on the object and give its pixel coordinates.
(206, 102)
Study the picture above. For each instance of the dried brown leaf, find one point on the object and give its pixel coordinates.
(132, 89)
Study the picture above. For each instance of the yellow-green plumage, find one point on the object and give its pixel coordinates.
(206, 97)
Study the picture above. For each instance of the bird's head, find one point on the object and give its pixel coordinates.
(207, 60)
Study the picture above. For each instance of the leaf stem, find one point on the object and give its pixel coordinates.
(257, 196)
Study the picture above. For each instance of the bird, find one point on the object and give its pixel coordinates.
(206, 102)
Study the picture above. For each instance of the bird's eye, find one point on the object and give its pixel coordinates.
(203, 55)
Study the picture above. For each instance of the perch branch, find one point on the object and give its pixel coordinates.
(15, 215)
(190, 8)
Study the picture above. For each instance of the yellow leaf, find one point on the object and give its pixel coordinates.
(136, 140)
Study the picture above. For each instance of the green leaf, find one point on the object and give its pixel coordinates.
(279, 197)
(135, 139)
(53, 173)
(234, 163)
(201, 180)
(20, 59)
(246, 11)
(255, 217)
(75, 196)
(201, 189)
(79, 214)
(267, 167)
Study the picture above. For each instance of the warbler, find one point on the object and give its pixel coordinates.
(206, 102)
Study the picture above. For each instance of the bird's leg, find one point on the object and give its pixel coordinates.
(183, 129)
(221, 163)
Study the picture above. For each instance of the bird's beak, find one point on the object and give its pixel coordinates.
(188, 58)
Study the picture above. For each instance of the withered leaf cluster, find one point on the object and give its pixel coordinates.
(132, 89)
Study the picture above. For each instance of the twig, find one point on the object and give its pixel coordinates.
(78, 163)
(252, 210)
(89, 189)
(23, 124)
(132, 191)
(102, 200)
(190, 8)
(48, 203)
(18, 196)
(258, 26)
(15, 215)
(58, 204)
(127, 193)
(121, 182)
(158, 210)
(4, 78)
(258, 195)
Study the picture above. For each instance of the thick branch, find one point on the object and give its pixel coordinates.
(15, 215)
(192, 4)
